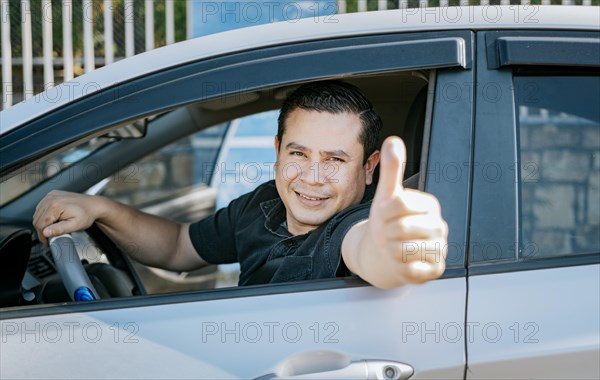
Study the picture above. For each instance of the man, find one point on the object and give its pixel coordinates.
(309, 223)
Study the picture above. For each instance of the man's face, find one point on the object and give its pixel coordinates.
(319, 170)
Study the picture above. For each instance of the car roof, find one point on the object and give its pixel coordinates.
(307, 29)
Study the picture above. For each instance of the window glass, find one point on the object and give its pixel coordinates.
(48, 170)
(191, 178)
(559, 133)
(172, 171)
(246, 161)
(247, 157)
(173, 182)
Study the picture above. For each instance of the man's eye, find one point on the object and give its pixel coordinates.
(335, 159)
(296, 153)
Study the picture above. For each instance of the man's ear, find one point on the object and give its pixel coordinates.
(276, 145)
(370, 166)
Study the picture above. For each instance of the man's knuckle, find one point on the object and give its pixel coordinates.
(444, 227)
(438, 227)
(400, 226)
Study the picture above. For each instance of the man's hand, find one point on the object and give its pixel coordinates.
(147, 238)
(61, 212)
(404, 240)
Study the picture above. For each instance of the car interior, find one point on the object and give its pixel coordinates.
(28, 275)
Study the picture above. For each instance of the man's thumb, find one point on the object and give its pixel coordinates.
(60, 228)
(391, 168)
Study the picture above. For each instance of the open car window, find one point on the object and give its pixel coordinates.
(193, 177)
(189, 166)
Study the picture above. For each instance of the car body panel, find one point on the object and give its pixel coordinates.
(244, 337)
(170, 328)
(538, 324)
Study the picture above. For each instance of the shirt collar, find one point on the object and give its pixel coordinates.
(274, 211)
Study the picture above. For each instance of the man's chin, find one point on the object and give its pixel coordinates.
(313, 220)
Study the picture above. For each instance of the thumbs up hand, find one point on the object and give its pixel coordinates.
(405, 238)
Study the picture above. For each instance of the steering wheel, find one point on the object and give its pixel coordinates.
(74, 277)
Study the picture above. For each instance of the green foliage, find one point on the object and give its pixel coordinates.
(96, 13)
(38, 13)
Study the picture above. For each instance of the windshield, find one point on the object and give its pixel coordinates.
(30, 176)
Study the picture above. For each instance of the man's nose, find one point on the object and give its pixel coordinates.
(313, 173)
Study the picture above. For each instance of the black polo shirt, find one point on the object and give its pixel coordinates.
(251, 231)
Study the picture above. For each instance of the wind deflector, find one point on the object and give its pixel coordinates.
(545, 50)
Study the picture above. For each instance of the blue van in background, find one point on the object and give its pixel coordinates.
(208, 17)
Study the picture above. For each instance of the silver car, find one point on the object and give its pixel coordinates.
(498, 106)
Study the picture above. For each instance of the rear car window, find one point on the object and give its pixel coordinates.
(559, 153)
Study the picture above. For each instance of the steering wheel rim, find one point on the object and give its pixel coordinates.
(116, 257)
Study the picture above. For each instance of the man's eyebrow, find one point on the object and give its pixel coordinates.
(296, 146)
(337, 152)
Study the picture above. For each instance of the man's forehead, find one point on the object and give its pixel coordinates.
(345, 127)
(326, 139)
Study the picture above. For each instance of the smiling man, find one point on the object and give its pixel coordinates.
(312, 222)
(321, 170)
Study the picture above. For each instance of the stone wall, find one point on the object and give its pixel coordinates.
(560, 192)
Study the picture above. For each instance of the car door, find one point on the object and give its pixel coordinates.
(533, 309)
(324, 329)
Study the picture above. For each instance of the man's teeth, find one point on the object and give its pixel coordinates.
(309, 198)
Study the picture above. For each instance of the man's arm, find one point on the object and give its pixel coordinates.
(148, 239)
(404, 240)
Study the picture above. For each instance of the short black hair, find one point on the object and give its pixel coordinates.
(335, 97)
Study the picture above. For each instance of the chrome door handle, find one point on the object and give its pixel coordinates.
(356, 370)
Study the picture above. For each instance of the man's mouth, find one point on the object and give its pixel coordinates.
(310, 198)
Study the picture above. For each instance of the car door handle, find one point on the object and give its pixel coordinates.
(356, 370)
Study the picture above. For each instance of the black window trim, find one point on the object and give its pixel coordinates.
(446, 173)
